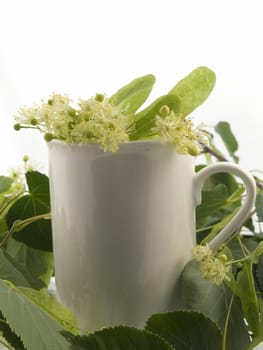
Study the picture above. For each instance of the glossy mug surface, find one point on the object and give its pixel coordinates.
(124, 227)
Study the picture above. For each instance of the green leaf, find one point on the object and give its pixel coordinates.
(50, 304)
(259, 206)
(258, 274)
(194, 89)
(38, 234)
(258, 252)
(130, 97)
(5, 183)
(37, 263)
(247, 294)
(212, 201)
(214, 301)
(15, 272)
(186, 330)
(258, 339)
(224, 130)
(9, 335)
(145, 120)
(222, 179)
(118, 338)
(219, 226)
(34, 326)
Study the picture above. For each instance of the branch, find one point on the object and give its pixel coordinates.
(207, 149)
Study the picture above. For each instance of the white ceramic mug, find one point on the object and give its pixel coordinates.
(124, 227)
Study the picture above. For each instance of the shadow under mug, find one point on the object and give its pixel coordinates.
(124, 227)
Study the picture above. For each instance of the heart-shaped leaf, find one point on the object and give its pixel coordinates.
(121, 338)
(50, 304)
(38, 234)
(34, 262)
(214, 302)
(30, 322)
(212, 201)
(186, 330)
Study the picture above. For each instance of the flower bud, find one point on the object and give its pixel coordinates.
(33, 121)
(193, 150)
(48, 137)
(164, 111)
(99, 97)
(17, 127)
(223, 258)
(239, 265)
(25, 158)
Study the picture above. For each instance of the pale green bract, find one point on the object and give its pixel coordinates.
(115, 120)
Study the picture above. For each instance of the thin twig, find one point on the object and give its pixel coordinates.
(18, 225)
(207, 149)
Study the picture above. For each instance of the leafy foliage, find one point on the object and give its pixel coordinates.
(33, 325)
(224, 130)
(5, 183)
(130, 97)
(226, 317)
(6, 332)
(36, 263)
(111, 122)
(214, 302)
(259, 206)
(145, 119)
(50, 304)
(186, 330)
(194, 89)
(122, 338)
(37, 234)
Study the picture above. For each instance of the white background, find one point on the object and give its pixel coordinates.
(82, 47)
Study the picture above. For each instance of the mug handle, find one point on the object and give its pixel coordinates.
(245, 209)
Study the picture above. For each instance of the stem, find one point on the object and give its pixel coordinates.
(207, 149)
(9, 200)
(238, 260)
(246, 252)
(205, 228)
(20, 224)
(226, 323)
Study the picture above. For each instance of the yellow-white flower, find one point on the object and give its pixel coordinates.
(200, 252)
(177, 130)
(96, 120)
(212, 268)
(101, 122)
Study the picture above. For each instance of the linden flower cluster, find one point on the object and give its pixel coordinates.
(18, 175)
(178, 131)
(95, 121)
(213, 269)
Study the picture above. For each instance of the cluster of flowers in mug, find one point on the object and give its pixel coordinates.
(96, 120)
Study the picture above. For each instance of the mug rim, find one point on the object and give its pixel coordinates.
(61, 142)
(130, 146)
